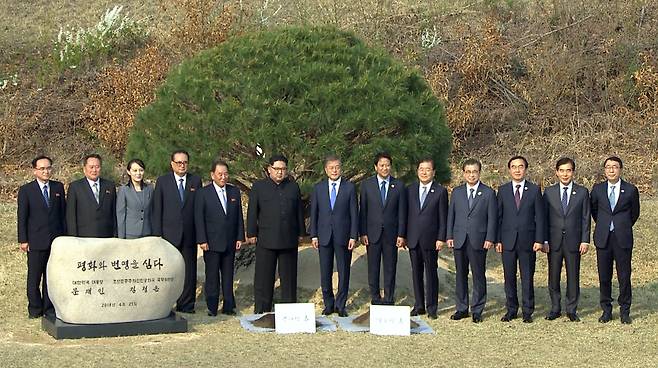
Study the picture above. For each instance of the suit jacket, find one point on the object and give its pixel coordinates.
(134, 214)
(572, 228)
(85, 217)
(377, 218)
(220, 230)
(342, 222)
(275, 214)
(479, 223)
(426, 225)
(523, 226)
(171, 219)
(624, 216)
(38, 224)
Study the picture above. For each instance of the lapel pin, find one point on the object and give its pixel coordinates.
(431, 190)
(525, 188)
(573, 193)
(392, 185)
(232, 199)
(622, 191)
(56, 194)
(192, 189)
(107, 192)
(479, 193)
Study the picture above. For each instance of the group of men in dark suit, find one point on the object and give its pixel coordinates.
(518, 222)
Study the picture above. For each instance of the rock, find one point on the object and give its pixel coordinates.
(109, 280)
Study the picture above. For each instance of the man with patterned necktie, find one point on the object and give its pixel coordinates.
(334, 230)
(615, 206)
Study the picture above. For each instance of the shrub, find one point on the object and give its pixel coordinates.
(297, 91)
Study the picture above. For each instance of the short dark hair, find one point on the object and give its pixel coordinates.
(177, 152)
(471, 161)
(517, 157)
(426, 159)
(381, 155)
(218, 162)
(616, 159)
(41, 157)
(278, 157)
(564, 161)
(91, 155)
(331, 157)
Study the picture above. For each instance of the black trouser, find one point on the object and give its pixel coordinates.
(217, 262)
(38, 302)
(477, 259)
(425, 277)
(187, 299)
(266, 265)
(622, 259)
(343, 261)
(572, 263)
(384, 251)
(526, 263)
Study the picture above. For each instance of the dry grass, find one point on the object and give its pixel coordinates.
(221, 341)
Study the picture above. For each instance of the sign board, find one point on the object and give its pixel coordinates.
(294, 318)
(390, 320)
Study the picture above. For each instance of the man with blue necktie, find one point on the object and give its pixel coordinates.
(615, 206)
(383, 224)
(334, 231)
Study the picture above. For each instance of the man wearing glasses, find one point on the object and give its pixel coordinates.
(173, 220)
(41, 218)
(275, 223)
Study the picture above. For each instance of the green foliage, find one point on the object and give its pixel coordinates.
(302, 92)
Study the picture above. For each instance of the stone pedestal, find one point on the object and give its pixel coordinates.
(62, 330)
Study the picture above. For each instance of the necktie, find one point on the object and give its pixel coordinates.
(181, 190)
(96, 193)
(517, 196)
(222, 197)
(423, 196)
(332, 195)
(565, 202)
(45, 195)
(471, 199)
(382, 191)
(613, 202)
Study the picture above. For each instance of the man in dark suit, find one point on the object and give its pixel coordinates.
(275, 223)
(173, 220)
(383, 222)
(427, 211)
(41, 218)
(615, 206)
(568, 223)
(334, 230)
(472, 224)
(91, 203)
(520, 236)
(220, 233)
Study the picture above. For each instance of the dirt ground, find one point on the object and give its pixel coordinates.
(221, 340)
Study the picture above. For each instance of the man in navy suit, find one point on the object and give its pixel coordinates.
(471, 232)
(334, 231)
(91, 203)
(427, 211)
(615, 206)
(219, 233)
(173, 220)
(568, 225)
(41, 218)
(520, 235)
(383, 220)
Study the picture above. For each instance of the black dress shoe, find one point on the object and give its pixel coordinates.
(459, 315)
(327, 311)
(477, 318)
(573, 317)
(432, 315)
(417, 312)
(212, 314)
(33, 316)
(553, 316)
(626, 319)
(342, 313)
(605, 317)
(527, 318)
(508, 317)
(229, 312)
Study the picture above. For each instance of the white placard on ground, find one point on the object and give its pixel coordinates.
(390, 320)
(294, 317)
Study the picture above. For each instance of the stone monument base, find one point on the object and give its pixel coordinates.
(62, 330)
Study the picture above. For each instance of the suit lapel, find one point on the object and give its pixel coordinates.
(218, 202)
(573, 197)
(325, 188)
(622, 194)
(476, 197)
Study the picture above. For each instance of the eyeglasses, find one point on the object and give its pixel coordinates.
(180, 163)
(612, 167)
(47, 168)
(279, 168)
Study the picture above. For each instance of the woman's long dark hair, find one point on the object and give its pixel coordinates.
(140, 163)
